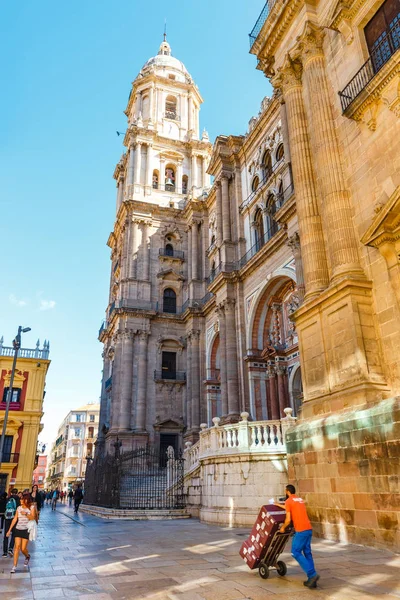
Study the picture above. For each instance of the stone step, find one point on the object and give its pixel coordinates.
(156, 514)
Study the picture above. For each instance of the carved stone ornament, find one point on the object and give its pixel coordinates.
(288, 76)
(309, 43)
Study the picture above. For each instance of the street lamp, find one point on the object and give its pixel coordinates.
(17, 346)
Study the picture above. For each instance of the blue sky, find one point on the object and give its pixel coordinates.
(67, 69)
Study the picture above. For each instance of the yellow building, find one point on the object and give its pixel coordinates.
(26, 410)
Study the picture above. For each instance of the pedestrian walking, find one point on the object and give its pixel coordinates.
(78, 497)
(48, 497)
(37, 499)
(3, 503)
(25, 512)
(54, 498)
(13, 502)
(296, 512)
(70, 496)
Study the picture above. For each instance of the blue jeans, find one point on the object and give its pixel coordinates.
(301, 551)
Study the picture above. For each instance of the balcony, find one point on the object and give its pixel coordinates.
(214, 375)
(10, 457)
(260, 21)
(262, 184)
(221, 268)
(211, 248)
(171, 114)
(170, 376)
(378, 58)
(103, 326)
(168, 253)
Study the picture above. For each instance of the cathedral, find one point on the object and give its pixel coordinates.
(261, 274)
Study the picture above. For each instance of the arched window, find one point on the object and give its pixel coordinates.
(267, 164)
(169, 301)
(280, 153)
(271, 208)
(170, 108)
(155, 180)
(280, 199)
(169, 250)
(169, 178)
(255, 183)
(184, 184)
(145, 107)
(259, 229)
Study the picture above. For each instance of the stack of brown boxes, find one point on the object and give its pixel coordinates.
(268, 522)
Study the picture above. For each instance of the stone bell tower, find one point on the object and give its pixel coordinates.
(162, 172)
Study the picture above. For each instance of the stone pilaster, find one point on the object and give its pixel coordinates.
(125, 391)
(219, 213)
(131, 165)
(195, 369)
(138, 162)
(272, 394)
(226, 210)
(117, 379)
(294, 245)
(189, 257)
(315, 265)
(222, 360)
(231, 359)
(335, 208)
(145, 252)
(280, 372)
(149, 170)
(195, 253)
(141, 399)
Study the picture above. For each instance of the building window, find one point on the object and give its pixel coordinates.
(169, 301)
(155, 180)
(7, 447)
(271, 209)
(15, 396)
(382, 33)
(259, 229)
(78, 418)
(91, 418)
(184, 184)
(169, 250)
(280, 153)
(168, 366)
(267, 164)
(170, 108)
(255, 183)
(91, 432)
(169, 179)
(77, 432)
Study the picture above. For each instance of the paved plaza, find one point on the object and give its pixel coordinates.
(92, 559)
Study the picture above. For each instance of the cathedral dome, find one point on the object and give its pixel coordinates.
(164, 60)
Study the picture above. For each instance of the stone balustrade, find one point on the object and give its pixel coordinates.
(252, 437)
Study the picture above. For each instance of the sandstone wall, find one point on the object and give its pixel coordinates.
(347, 468)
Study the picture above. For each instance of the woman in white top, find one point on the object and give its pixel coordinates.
(25, 513)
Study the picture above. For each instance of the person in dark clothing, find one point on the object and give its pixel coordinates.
(3, 502)
(70, 496)
(37, 499)
(12, 504)
(78, 497)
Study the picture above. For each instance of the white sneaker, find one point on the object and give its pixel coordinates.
(13, 570)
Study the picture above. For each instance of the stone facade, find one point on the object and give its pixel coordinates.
(341, 91)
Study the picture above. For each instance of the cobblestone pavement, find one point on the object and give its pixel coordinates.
(93, 559)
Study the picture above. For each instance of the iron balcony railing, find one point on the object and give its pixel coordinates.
(379, 56)
(102, 327)
(172, 253)
(260, 21)
(258, 245)
(211, 247)
(262, 184)
(171, 114)
(108, 384)
(10, 457)
(170, 375)
(193, 303)
(221, 268)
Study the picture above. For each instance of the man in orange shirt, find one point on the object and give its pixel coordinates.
(301, 545)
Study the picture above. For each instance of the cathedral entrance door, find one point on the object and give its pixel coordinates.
(166, 440)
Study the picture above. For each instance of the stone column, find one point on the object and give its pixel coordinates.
(335, 208)
(226, 210)
(188, 382)
(195, 367)
(204, 241)
(189, 253)
(294, 245)
(125, 397)
(131, 167)
(151, 103)
(315, 265)
(119, 193)
(178, 182)
(145, 251)
(149, 170)
(195, 256)
(190, 113)
(116, 382)
(194, 171)
(222, 359)
(272, 393)
(125, 250)
(138, 162)
(231, 358)
(134, 247)
(285, 132)
(219, 213)
(142, 382)
(280, 371)
(161, 184)
(204, 171)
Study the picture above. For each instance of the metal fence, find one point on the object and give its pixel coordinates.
(144, 478)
